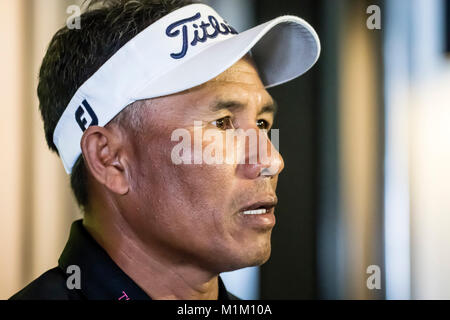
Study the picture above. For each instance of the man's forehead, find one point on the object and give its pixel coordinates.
(239, 83)
(243, 72)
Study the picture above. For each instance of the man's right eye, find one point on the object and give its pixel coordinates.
(224, 123)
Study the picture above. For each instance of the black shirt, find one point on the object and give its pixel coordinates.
(101, 278)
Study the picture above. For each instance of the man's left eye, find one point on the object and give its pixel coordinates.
(262, 124)
(224, 123)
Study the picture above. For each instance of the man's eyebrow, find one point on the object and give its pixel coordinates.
(219, 105)
(269, 108)
(233, 105)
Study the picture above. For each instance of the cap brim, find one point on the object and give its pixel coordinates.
(283, 49)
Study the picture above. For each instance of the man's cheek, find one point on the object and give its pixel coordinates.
(274, 183)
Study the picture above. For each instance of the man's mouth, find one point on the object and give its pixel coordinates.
(258, 211)
(261, 207)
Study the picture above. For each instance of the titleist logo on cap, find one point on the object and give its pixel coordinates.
(214, 26)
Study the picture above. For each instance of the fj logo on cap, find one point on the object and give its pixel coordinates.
(80, 116)
(214, 25)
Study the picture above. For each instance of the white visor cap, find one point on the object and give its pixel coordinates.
(182, 50)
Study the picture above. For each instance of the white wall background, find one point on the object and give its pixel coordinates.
(417, 204)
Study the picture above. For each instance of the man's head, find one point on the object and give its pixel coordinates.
(217, 215)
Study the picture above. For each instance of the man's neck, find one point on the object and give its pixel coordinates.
(159, 277)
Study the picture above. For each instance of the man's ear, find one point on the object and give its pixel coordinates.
(104, 156)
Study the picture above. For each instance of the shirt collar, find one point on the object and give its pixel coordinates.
(101, 278)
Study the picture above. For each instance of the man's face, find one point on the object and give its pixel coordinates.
(192, 213)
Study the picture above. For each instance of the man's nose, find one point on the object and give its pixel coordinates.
(262, 160)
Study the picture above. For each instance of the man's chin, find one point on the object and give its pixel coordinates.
(261, 259)
(251, 257)
(259, 251)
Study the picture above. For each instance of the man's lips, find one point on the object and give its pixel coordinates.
(259, 215)
(261, 206)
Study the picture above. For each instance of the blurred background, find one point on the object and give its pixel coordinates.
(365, 136)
